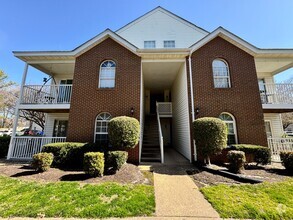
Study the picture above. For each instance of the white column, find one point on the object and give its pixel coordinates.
(16, 116)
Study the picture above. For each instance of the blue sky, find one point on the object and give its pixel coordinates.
(65, 24)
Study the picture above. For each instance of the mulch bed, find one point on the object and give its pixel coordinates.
(127, 174)
(268, 173)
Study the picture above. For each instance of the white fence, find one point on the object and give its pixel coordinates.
(279, 144)
(46, 94)
(25, 147)
(164, 109)
(276, 93)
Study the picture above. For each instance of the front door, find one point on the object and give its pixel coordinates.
(157, 97)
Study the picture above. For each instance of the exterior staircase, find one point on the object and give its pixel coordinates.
(151, 142)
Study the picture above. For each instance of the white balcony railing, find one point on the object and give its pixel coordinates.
(46, 94)
(25, 147)
(276, 93)
(164, 109)
(279, 144)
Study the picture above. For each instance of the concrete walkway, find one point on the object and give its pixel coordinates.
(178, 196)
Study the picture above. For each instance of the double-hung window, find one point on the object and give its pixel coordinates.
(169, 44)
(221, 74)
(149, 44)
(107, 74)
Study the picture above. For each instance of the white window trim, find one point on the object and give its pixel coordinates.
(234, 124)
(144, 42)
(222, 77)
(95, 131)
(168, 41)
(107, 78)
(272, 131)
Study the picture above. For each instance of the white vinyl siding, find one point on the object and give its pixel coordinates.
(50, 119)
(276, 124)
(180, 119)
(160, 26)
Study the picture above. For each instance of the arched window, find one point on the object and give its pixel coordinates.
(101, 128)
(221, 74)
(231, 125)
(107, 74)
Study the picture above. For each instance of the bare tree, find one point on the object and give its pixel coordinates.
(34, 116)
(287, 119)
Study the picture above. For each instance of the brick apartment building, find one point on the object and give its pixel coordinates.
(164, 71)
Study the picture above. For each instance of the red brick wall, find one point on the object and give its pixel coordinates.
(242, 99)
(88, 100)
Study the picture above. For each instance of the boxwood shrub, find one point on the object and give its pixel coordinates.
(116, 159)
(94, 163)
(42, 161)
(123, 132)
(236, 161)
(287, 160)
(210, 135)
(69, 155)
(262, 155)
(4, 145)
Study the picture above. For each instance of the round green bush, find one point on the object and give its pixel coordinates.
(42, 161)
(94, 163)
(236, 161)
(123, 132)
(210, 135)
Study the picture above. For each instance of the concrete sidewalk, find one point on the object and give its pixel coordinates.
(178, 196)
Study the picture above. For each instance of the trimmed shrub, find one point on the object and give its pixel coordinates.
(210, 135)
(261, 155)
(115, 159)
(287, 160)
(123, 132)
(4, 145)
(69, 154)
(236, 161)
(42, 161)
(94, 163)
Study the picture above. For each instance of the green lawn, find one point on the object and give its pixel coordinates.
(68, 199)
(260, 201)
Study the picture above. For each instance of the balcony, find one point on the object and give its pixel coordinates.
(46, 97)
(164, 109)
(276, 96)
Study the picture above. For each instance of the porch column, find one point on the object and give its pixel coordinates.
(16, 116)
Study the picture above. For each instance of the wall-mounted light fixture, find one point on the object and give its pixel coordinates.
(197, 111)
(132, 111)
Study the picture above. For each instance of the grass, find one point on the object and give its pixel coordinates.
(67, 199)
(259, 201)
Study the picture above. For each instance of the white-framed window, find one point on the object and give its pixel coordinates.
(221, 74)
(149, 44)
(101, 128)
(231, 126)
(169, 43)
(268, 128)
(107, 74)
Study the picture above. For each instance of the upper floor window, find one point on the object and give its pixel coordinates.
(149, 44)
(101, 128)
(231, 126)
(107, 74)
(221, 74)
(169, 43)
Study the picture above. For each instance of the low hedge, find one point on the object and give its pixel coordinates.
(4, 145)
(287, 160)
(260, 154)
(69, 154)
(236, 161)
(42, 161)
(94, 163)
(116, 159)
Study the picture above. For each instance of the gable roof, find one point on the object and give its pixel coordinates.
(239, 42)
(80, 49)
(163, 10)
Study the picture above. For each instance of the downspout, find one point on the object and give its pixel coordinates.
(192, 101)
